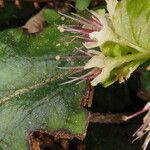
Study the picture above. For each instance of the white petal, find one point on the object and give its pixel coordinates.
(110, 64)
(97, 61)
(100, 15)
(92, 51)
(111, 5)
(102, 77)
(89, 45)
(106, 34)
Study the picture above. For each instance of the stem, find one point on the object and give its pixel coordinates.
(138, 56)
(107, 118)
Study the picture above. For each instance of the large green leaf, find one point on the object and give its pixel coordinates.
(30, 95)
(131, 20)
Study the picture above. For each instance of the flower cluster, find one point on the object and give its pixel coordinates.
(145, 127)
(118, 56)
(122, 34)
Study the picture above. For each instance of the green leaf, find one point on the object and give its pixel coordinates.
(82, 4)
(30, 95)
(131, 20)
(127, 22)
(50, 15)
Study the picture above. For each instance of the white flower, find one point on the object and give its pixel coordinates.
(145, 127)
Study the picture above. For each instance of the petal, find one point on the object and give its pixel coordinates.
(97, 61)
(105, 72)
(105, 34)
(111, 5)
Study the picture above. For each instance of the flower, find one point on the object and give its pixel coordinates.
(84, 28)
(95, 64)
(91, 30)
(104, 63)
(124, 46)
(119, 55)
(145, 127)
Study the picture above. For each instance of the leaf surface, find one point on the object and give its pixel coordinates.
(30, 95)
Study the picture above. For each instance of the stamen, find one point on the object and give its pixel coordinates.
(82, 18)
(61, 29)
(77, 20)
(147, 140)
(87, 39)
(97, 23)
(80, 82)
(135, 114)
(84, 52)
(89, 76)
(94, 20)
(77, 78)
(78, 30)
(86, 29)
(73, 68)
(70, 81)
(145, 127)
(146, 108)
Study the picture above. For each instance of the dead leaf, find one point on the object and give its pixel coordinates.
(148, 68)
(35, 24)
(59, 140)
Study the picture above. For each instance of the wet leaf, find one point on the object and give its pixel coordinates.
(51, 16)
(30, 95)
